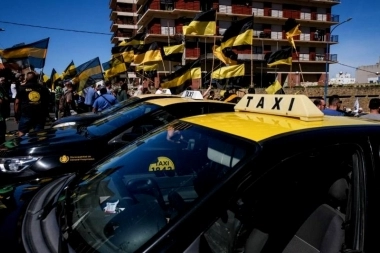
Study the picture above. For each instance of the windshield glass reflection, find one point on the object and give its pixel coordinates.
(124, 201)
(120, 118)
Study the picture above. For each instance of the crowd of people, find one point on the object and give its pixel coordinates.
(334, 108)
(33, 101)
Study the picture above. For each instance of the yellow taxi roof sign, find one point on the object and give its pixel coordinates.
(298, 106)
(193, 94)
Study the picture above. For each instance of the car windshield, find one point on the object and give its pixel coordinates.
(130, 196)
(120, 105)
(120, 118)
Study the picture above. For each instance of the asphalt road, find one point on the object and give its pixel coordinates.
(12, 125)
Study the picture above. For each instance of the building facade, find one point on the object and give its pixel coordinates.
(163, 20)
(368, 73)
(342, 79)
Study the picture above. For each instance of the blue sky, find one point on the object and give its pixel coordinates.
(358, 38)
(84, 15)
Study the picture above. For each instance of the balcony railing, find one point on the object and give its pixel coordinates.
(296, 14)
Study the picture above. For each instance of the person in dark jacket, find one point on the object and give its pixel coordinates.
(31, 105)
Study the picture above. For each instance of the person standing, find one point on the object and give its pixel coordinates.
(31, 105)
(104, 101)
(320, 103)
(333, 108)
(6, 100)
(90, 97)
(58, 94)
(3, 125)
(68, 103)
(123, 93)
(374, 110)
(138, 87)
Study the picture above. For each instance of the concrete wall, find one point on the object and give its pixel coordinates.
(348, 94)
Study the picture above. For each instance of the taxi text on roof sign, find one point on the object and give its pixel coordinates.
(193, 94)
(298, 106)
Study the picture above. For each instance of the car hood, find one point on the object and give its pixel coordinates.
(81, 118)
(44, 138)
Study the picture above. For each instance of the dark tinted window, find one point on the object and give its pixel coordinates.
(120, 118)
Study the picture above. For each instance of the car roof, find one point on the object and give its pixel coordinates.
(153, 96)
(171, 101)
(259, 125)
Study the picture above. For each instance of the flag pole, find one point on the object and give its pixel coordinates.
(251, 84)
(170, 63)
(300, 73)
(213, 56)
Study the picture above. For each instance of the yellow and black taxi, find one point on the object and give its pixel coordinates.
(275, 175)
(89, 117)
(67, 149)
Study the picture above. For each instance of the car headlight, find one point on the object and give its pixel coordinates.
(66, 124)
(17, 164)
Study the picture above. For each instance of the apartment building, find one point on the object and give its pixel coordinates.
(163, 20)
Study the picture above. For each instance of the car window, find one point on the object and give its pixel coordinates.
(296, 205)
(120, 118)
(142, 188)
(119, 105)
(143, 125)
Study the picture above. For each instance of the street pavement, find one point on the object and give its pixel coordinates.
(12, 125)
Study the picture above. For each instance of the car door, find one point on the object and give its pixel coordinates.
(274, 199)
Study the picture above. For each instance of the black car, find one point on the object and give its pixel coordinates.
(244, 181)
(87, 118)
(60, 150)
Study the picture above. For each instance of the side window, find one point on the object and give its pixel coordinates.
(308, 201)
(142, 126)
(151, 122)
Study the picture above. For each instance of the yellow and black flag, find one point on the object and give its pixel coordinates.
(292, 29)
(173, 53)
(126, 51)
(191, 70)
(204, 23)
(275, 88)
(136, 40)
(227, 56)
(70, 71)
(239, 33)
(147, 67)
(228, 72)
(45, 78)
(147, 53)
(282, 56)
(54, 77)
(33, 54)
(90, 69)
(114, 67)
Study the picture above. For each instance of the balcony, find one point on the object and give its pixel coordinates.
(120, 36)
(282, 15)
(115, 27)
(113, 3)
